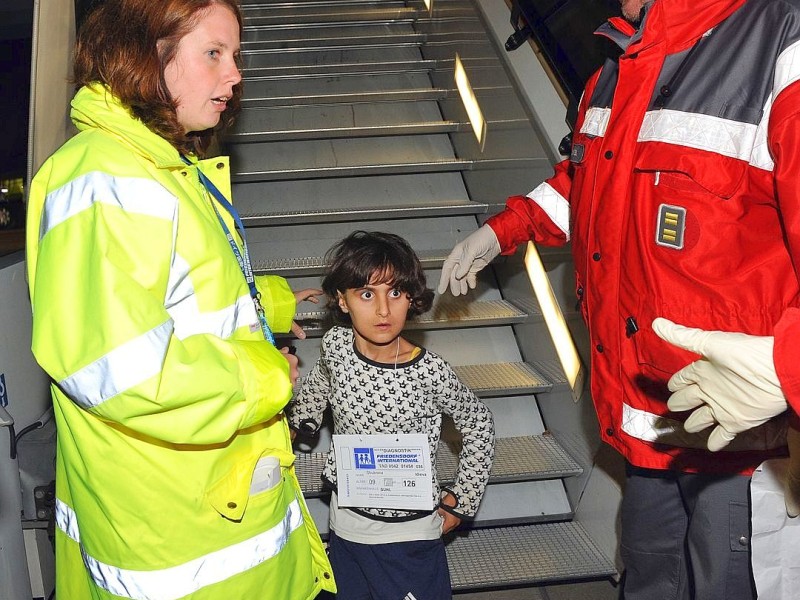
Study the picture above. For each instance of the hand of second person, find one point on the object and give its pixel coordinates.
(460, 269)
(450, 520)
(733, 387)
(308, 295)
(292, 360)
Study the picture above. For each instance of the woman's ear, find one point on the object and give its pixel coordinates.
(342, 303)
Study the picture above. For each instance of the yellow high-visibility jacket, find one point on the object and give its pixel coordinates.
(166, 393)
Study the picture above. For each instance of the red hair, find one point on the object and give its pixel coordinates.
(126, 45)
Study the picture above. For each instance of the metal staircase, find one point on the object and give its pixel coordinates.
(351, 121)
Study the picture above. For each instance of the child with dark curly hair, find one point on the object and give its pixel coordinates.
(378, 382)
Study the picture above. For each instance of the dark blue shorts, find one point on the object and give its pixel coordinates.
(397, 571)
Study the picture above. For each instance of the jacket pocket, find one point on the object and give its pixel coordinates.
(231, 493)
(662, 358)
(691, 171)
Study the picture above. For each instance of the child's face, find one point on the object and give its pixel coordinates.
(378, 312)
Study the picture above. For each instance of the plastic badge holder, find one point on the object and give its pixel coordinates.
(266, 475)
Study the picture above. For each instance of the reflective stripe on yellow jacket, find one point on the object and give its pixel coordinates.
(166, 394)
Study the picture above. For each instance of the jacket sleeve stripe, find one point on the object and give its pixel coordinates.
(787, 69)
(121, 369)
(181, 304)
(596, 121)
(787, 72)
(181, 580)
(553, 204)
(134, 195)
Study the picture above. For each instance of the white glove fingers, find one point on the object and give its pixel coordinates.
(462, 287)
(688, 338)
(700, 419)
(719, 438)
(699, 372)
(463, 267)
(687, 398)
(444, 278)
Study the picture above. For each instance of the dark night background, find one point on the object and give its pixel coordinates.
(16, 17)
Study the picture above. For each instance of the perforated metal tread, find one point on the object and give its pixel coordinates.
(451, 315)
(251, 134)
(524, 458)
(315, 265)
(504, 379)
(525, 555)
(253, 16)
(363, 170)
(413, 95)
(332, 215)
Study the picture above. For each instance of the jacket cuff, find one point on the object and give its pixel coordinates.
(506, 226)
(453, 510)
(278, 301)
(265, 381)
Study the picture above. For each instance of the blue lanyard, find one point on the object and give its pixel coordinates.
(242, 256)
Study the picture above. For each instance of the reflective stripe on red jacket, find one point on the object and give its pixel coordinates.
(682, 199)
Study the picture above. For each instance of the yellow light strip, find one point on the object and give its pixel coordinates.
(470, 102)
(554, 319)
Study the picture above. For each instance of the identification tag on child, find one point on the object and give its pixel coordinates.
(384, 471)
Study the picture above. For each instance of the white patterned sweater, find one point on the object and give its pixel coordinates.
(367, 397)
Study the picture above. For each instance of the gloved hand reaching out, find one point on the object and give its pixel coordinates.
(733, 386)
(467, 258)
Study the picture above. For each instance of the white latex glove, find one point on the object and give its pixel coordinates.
(469, 256)
(733, 387)
(791, 492)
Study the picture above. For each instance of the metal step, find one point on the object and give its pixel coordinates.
(386, 66)
(528, 458)
(312, 69)
(351, 36)
(315, 265)
(505, 379)
(268, 42)
(326, 38)
(405, 95)
(241, 135)
(341, 214)
(453, 314)
(525, 555)
(524, 458)
(439, 166)
(335, 13)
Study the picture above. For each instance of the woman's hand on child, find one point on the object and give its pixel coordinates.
(292, 360)
(310, 295)
(450, 520)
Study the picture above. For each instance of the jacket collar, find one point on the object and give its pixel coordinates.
(677, 23)
(94, 106)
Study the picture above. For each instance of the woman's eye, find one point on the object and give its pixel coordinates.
(213, 53)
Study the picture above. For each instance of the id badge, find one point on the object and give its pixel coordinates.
(384, 471)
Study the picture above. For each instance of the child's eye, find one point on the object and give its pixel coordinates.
(213, 53)
(366, 295)
(395, 294)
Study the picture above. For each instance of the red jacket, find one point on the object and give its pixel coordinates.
(681, 198)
